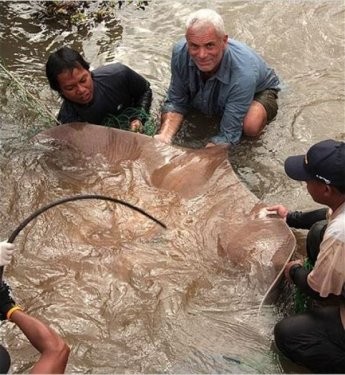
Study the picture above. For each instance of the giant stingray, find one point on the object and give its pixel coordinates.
(136, 288)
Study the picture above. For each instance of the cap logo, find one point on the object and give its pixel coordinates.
(306, 159)
(325, 180)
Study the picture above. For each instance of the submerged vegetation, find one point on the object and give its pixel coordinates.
(26, 103)
(19, 105)
(33, 114)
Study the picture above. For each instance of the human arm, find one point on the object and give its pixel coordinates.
(328, 275)
(141, 95)
(299, 219)
(304, 220)
(177, 101)
(235, 99)
(230, 127)
(297, 274)
(53, 350)
(144, 101)
(327, 278)
(143, 104)
(170, 124)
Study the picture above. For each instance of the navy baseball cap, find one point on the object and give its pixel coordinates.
(324, 161)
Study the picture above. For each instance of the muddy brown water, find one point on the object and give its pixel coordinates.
(126, 296)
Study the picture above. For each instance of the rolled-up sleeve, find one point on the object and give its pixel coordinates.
(177, 99)
(236, 107)
(139, 89)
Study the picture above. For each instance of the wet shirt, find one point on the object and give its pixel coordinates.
(116, 88)
(228, 94)
(328, 274)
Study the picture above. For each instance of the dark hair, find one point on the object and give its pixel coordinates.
(64, 58)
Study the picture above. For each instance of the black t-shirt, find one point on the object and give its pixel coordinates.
(116, 88)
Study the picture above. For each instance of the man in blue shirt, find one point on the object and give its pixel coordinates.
(220, 77)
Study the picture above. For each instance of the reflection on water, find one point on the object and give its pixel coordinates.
(86, 243)
(303, 41)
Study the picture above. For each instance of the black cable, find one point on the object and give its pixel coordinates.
(25, 222)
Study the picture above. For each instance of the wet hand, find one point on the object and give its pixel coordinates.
(136, 126)
(6, 252)
(279, 210)
(288, 267)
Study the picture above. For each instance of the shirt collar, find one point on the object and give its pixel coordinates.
(340, 209)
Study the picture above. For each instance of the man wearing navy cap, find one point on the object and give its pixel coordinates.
(316, 338)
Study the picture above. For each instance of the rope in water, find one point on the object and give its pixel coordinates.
(25, 222)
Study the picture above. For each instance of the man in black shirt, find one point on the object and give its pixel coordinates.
(103, 96)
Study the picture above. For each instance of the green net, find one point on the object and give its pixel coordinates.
(27, 109)
(123, 120)
(302, 301)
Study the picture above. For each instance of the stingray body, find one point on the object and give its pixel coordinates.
(128, 295)
(259, 246)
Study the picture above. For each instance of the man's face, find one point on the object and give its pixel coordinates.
(206, 47)
(316, 189)
(76, 85)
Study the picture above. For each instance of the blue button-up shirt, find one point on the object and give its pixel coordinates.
(229, 93)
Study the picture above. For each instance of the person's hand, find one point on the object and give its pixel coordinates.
(288, 267)
(163, 138)
(6, 301)
(6, 252)
(136, 126)
(279, 209)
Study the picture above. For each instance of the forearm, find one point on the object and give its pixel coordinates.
(304, 220)
(54, 351)
(299, 276)
(230, 128)
(170, 124)
(144, 102)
